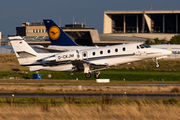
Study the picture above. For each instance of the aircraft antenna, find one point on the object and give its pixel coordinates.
(85, 21)
(59, 21)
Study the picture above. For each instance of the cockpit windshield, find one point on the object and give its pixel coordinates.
(144, 46)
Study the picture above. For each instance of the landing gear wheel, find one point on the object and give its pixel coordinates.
(88, 75)
(156, 61)
(97, 74)
(157, 65)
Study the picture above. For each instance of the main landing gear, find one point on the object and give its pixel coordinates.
(96, 74)
(157, 64)
(88, 75)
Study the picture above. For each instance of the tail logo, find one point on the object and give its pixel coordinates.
(54, 32)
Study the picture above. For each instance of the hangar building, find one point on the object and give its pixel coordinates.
(141, 22)
(161, 24)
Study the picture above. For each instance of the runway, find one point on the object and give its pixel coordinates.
(62, 95)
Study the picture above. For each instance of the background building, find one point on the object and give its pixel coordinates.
(119, 27)
(78, 32)
(139, 24)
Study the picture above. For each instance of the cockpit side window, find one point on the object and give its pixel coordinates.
(147, 46)
(144, 46)
(137, 47)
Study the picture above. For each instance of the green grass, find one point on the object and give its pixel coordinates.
(112, 74)
(85, 101)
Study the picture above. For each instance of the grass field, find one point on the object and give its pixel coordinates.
(41, 88)
(118, 75)
(85, 108)
(96, 109)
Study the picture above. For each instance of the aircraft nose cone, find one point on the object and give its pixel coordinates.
(167, 52)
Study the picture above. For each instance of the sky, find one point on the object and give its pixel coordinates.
(90, 12)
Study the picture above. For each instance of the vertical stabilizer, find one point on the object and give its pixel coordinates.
(57, 35)
(23, 51)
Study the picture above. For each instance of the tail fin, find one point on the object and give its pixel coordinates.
(57, 35)
(23, 51)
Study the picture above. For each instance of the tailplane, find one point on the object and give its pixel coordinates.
(57, 35)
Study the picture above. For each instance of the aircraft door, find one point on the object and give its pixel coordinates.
(140, 51)
(84, 55)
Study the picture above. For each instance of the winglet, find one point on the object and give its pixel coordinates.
(57, 35)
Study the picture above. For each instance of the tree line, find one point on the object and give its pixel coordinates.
(174, 40)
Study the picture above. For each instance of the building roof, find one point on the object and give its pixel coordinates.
(147, 12)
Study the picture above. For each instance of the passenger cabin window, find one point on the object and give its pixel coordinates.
(144, 46)
(109, 51)
(94, 53)
(124, 48)
(84, 54)
(101, 52)
(116, 50)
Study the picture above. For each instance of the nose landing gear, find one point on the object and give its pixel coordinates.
(157, 65)
(156, 61)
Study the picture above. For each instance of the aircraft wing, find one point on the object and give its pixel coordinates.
(80, 65)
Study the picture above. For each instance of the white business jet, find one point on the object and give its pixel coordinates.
(86, 60)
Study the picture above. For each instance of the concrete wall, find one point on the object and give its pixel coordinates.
(94, 36)
(107, 24)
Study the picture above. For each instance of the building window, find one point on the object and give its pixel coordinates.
(29, 31)
(43, 30)
(94, 53)
(34, 31)
(101, 52)
(116, 50)
(124, 48)
(108, 51)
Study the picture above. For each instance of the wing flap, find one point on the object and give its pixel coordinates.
(35, 68)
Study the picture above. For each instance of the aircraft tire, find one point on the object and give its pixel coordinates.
(97, 74)
(88, 75)
(157, 65)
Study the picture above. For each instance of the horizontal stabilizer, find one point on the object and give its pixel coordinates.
(48, 50)
(24, 54)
